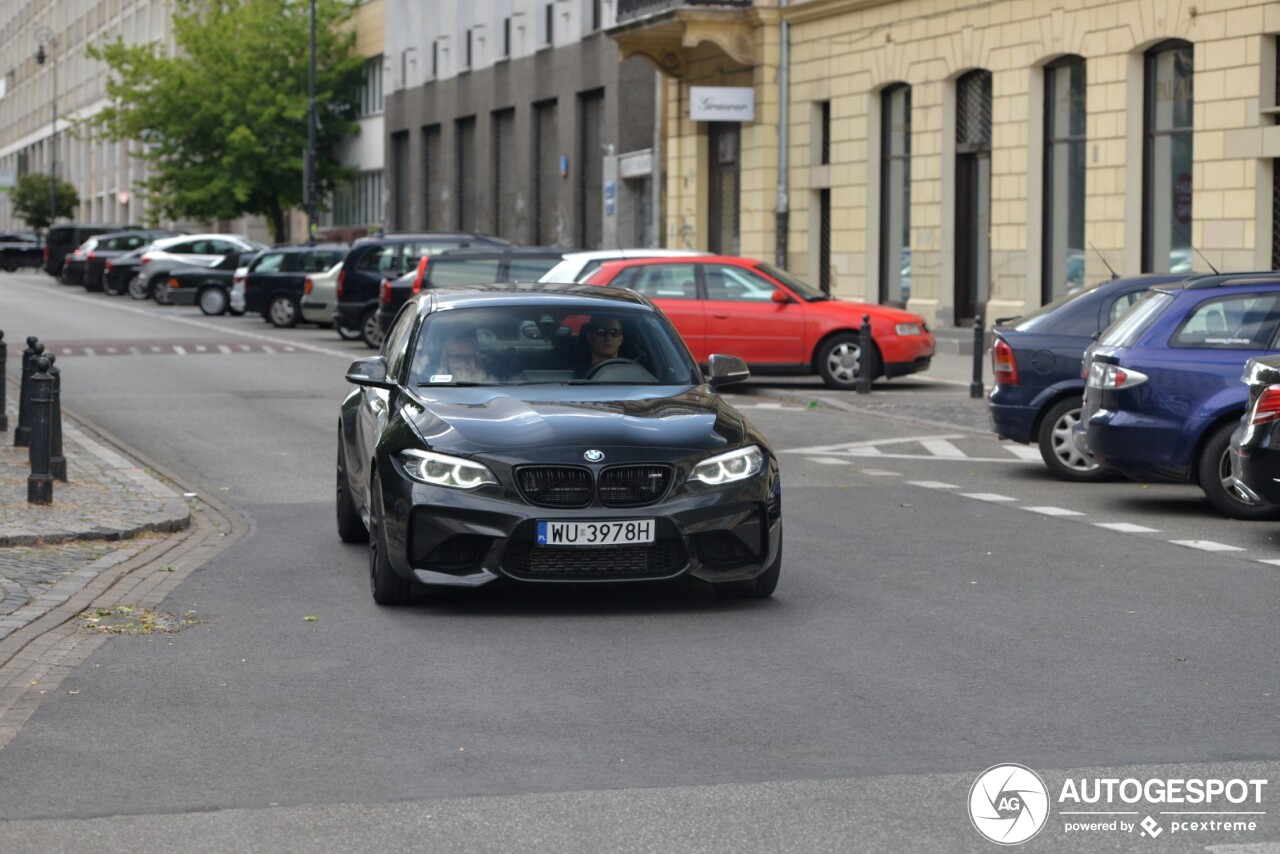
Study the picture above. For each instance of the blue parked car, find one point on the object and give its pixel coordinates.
(1164, 394)
(1036, 360)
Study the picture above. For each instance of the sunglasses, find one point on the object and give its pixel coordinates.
(605, 330)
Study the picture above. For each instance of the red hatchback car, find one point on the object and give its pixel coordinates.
(775, 322)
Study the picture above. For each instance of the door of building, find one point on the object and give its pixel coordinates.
(973, 196)
(724, 140)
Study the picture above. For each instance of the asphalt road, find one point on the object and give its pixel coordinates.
(944, 607)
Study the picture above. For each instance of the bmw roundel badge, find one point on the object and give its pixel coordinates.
(594, 456)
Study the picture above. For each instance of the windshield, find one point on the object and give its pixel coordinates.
(561, 343)
(804, 290)
(1123, 332)
(1027, 322)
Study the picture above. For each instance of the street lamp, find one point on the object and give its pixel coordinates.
(45, 36)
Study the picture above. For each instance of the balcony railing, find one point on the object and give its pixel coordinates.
(630, 10)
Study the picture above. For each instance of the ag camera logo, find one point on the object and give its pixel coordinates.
(1008, 804)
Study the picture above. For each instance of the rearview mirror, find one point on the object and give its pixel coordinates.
(370, 372)
(725, 370)
(781, 297)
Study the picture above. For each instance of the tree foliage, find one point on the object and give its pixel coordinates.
(224, 121)
(30, 200)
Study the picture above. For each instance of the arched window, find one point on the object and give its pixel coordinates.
(1167, 144)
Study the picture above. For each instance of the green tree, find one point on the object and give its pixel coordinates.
(224, 122)
(30, 200)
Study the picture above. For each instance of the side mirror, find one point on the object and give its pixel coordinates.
(725, 370)
(370, 372)
(781, 297)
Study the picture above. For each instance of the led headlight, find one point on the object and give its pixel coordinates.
(726, 468)
(907, 328)
(440, 470)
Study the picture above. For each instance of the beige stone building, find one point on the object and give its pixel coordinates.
(971, 157)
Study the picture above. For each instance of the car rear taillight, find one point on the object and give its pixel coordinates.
(1003, 364)
(46, 253)
(422, 274)
(342, 279)
(384, 292)
(110, 265)
(1113, 377)
(307, 285)
(1267, 407)
(146, 259)
(92, 256)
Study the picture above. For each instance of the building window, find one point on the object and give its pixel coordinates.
(369, 95)
(824, 240)
(468, 53)
(1275, 214)
(359, 201)
(465, 158)
(431, 177)
(400, 202)
(895, 194)
(1064, 164)
(824, 120)
(1166, 190)
(504, 173)
(435, 59)
(546, 174)
(597, 14)
(549, 24)
(590, 172)
(506, 36)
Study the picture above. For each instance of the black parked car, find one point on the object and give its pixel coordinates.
(1255, 445)
(20, 249)
(1036, 361)
(207, 287)
(372, 259)
(466, 267)
(119, 271)
(106, 247)
(65, 237)
(277, 278)
(562, 466)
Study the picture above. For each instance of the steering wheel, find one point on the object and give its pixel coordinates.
(599, 366)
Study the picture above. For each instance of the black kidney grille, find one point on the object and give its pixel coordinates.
(632, 486)
(555, 486)
(664, 557)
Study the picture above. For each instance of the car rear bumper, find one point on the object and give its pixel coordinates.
(1256, 469)
(1135, 445)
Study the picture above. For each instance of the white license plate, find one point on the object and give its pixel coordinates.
(629, 532)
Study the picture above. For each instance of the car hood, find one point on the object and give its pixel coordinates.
(886, 313)
(564, 421)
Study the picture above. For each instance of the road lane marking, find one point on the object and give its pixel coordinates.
(1054, 511)
(1024, 453)
(828, 461)
(987, 496)
(880, 473)
(1207, 545)
(1127, 528)
(181, 351)
(943, 448)
(932, 484)
(223, 348)
(1272, 562)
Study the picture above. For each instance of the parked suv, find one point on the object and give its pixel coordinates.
(466, 267)
(189, 250)
(1036, 363)
(1164, 393)
(274, 284)
(64, 238)
(372, 259)
(20, 249)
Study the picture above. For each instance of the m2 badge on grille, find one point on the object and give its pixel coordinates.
(595, 533)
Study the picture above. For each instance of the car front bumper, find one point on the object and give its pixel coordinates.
(1256, 467)
(444, 537)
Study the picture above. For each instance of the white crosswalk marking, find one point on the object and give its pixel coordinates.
(181, 351)
(1127, 528)
(200, 348)
(88, 351)
(881, 473)
(943, 448)
(224, 348)
(1272, 562)
(1024, 452)
(828, 461)
(933, 484)
(987, 496)
(1207, 545)
(971, 448)
(1054, 511)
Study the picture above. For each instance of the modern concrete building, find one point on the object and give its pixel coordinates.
(517, 118)
(109, 181)
(969, 157)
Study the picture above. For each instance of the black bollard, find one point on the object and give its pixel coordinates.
(57, 462)
(864, 356)
(979, 339)
(22, 433)
(40, 482)
(4, 358)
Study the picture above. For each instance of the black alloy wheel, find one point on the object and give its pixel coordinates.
(283, 312)
(1214, 470)
(760, 587)
(213, 300)
(351, 527)
(387, 587)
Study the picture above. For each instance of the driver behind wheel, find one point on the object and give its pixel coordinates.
(604, 341)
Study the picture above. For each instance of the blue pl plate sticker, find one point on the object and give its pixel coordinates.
(542, 533)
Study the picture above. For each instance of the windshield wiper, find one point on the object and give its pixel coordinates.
(459, 384)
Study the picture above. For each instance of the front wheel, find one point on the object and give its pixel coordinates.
(387, 587)
(1214, 468)
(283, 312)
(1058, 446)
(213, 301)
(840, 360)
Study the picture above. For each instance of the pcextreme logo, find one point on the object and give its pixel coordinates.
(1009, 804)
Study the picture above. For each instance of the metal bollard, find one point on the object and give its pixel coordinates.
(57, 462)
(40, 482)
(864, 356)
(4, 358)
(979, 339)
(22, 433)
